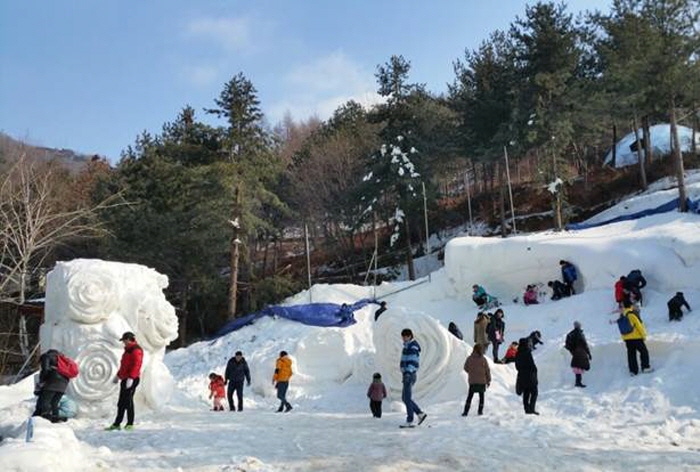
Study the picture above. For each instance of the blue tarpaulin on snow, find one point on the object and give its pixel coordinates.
(693, 206)
(313, 314)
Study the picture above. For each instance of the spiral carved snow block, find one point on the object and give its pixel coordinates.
(89, 304)
(441, 354)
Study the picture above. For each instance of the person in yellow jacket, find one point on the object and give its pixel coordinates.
(634, 340)
(283, 372)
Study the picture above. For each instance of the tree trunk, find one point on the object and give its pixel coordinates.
(696, 125)
(409, 251)
(502, 200)
(640, 155)
(234, 256)
(678, 156)
(182, 327)
(614, 145)
(648, 145)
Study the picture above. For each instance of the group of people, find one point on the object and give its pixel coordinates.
(57, 371)
(237, 373)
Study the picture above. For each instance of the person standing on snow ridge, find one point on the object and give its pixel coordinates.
(481, 324)
(380, 310)
(236, 372)
(675, 307)
(526, 382)
(130, 375)
(496, 329)
(280, 379)
(477, 369)
(634, 340)
(580, 354)
(410, 362)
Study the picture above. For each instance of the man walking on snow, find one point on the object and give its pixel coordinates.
(237, 371)
(410, 361)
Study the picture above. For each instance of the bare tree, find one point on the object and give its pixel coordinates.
(36, 216)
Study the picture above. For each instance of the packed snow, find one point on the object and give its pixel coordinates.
(648, 422)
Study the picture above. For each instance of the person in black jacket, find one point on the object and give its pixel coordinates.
(559, 290)
(580, 354)
(52, 386)
(675, 307)
(236, 372)
(526, 382)
(633, 285)
(496, 330)
(452, 328)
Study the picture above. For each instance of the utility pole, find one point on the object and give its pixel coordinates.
(469, 200)
(510, 191)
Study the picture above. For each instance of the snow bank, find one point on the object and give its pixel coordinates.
(665, 248)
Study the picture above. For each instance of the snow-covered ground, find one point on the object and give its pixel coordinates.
(649, 422)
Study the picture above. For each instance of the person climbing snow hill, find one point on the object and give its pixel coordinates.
(675, 307)
(580, 353)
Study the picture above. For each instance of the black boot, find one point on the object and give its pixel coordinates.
(287, 408)
(281, 408)
(578, 381)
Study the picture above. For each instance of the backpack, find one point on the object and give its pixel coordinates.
(624, 325)
(66, 366)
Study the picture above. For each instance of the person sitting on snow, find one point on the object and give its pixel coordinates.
(482, 299)
(675, 307)
(530, 295)
(559, 290)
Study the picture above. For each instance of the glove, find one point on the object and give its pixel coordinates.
(129, 383)
(116, 379)
(590, 357)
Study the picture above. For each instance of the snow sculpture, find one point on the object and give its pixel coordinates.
(442, 355)
(89, 304)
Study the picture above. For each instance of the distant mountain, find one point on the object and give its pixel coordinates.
(10, 148)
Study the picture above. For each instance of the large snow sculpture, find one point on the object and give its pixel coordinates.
(442, 355)
(89, 304)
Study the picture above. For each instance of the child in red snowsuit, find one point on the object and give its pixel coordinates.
(217, 391)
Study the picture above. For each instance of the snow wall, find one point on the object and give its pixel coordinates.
(660, 140)
(665, 257)
(89, 305)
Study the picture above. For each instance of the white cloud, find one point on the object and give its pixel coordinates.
(201, 75)
(232, 34)
(320, 87)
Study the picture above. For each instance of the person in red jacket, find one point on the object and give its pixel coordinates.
(129, 375)
(217, 391)
(620, 291)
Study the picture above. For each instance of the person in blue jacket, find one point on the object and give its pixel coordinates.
(410, 362)
(568, 275)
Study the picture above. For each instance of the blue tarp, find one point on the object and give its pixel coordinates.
(313, 314)
(693, 207)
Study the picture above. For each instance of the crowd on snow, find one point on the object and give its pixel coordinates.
(489, 329)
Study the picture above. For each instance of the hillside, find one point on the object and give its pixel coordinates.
(10, 148)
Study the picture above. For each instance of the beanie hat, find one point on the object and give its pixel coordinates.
(377, 375)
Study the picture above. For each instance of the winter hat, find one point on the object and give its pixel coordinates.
(283, 353)
(128, 336)
(577, 325)
(377, 376)
(239, 353)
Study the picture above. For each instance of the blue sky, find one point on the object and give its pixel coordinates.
(90, 75)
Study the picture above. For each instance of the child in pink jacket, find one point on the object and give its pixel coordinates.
(376, 393)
